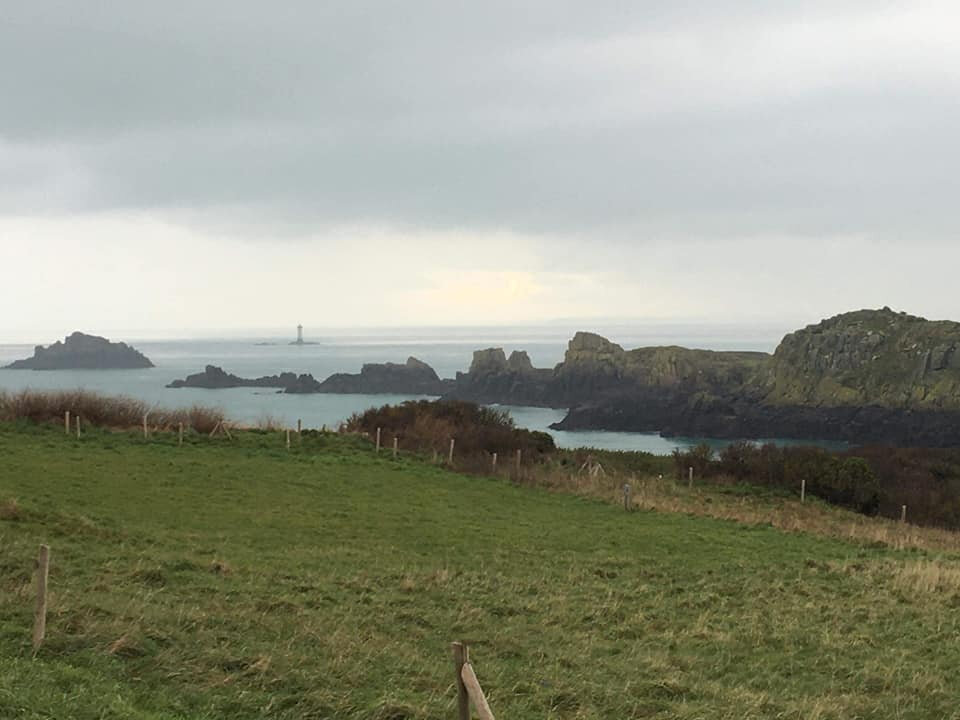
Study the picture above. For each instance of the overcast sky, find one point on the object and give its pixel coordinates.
(179, 167)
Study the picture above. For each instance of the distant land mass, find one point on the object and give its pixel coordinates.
(861, 377)
(79, 351)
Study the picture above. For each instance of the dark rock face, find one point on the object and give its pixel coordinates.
(865, 376)
(411, 378)
(215, 378)
(84, 352)
(495, 379)
(414, 377)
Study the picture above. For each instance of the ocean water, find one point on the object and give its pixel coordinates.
(447, 351)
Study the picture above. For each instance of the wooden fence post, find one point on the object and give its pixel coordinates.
(396, 443)
(78, 426)
(299, 430)
(519, 458)
(450, 454)
(626, 497)
(690, 483)
(903, 514)
(803, 490)
(180, 435)
(40, 617)
(493, 463)
(378, 439)
(288, 438)
(460, 658)
(66, 423)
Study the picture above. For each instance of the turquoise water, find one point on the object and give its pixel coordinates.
(447, 351)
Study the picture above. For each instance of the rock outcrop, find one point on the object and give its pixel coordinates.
(869, 357)
(79, 351)
(216, 378)
(411, 378)
(414, 377)
(864, 376)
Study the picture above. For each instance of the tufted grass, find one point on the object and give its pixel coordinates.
(235, 579)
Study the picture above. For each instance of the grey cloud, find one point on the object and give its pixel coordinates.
(480, 115)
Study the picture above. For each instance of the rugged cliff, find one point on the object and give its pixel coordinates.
(869, 357)
(79, 351)
(864, 376)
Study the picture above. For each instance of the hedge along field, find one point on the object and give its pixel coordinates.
(237, 579)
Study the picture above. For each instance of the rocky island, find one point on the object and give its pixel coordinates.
(216, 378)
(411, 378)
(79, 351)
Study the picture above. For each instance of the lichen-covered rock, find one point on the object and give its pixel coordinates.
(869, 357)
(79, 351)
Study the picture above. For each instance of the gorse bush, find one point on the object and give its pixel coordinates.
(111, 411)
(429, 425)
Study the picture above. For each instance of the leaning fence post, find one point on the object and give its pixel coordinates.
(626, 497)
(146, 432)
(803, 490)
(299, 430)
(180, 435)
(461, 657)
(453, 441)
(288, 438)
(78, 427)
(396, 443)
(493, 463)
(378, 439)
(66, 423)
(40, 618)
(903, 514)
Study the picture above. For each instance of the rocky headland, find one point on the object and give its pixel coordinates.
(866, 376)
(80, 351)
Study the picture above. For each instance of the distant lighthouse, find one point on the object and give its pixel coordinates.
(299, 334)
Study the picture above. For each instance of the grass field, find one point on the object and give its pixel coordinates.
(235, 579)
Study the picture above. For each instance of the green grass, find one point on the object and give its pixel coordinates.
(238, 580)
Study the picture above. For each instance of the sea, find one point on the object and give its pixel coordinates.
(447, 350)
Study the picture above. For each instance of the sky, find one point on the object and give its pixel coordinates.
(185, 168)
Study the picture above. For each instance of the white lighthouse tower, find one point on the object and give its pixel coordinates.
(299, 334)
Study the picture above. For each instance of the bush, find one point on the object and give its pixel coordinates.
(429, 425)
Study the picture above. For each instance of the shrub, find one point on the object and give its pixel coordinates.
(429, 425)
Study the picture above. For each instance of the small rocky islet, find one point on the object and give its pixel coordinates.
(79, 351)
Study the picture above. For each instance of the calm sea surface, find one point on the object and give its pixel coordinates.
(447, 351)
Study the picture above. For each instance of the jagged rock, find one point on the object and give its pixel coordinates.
(414, 377)
(79, 351)
(491, 361)
(519, 362)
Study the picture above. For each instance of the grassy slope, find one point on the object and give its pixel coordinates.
(236, 580)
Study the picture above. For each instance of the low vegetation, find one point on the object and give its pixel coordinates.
(426, 425)
(233, 578)
(113, 411)
(872, 481)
